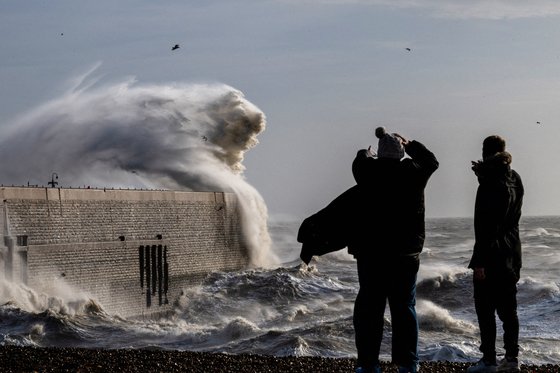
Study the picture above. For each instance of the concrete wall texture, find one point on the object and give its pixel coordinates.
(132, 250)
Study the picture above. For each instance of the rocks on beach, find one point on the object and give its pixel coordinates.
(30, 359)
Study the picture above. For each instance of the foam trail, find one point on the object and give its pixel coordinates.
(174, 136)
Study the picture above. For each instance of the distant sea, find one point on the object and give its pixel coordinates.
(307, 310)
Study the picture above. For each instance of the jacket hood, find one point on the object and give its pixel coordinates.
(499, 158)
(496, 165)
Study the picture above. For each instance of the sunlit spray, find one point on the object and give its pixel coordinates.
(56, 296)
(175, 136)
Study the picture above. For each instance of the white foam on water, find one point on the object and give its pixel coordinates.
(436, 318)
(541, 232)
(440, 271)
(57, 296)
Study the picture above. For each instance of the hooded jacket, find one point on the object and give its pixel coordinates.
(499, 199)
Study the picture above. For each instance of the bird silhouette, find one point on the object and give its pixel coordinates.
(408, 49)
(176, 46)
(538, 122)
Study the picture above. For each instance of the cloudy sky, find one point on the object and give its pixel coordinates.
(325, 73)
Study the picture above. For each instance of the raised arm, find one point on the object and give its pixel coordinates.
(423, 160)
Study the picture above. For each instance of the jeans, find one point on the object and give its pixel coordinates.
(392, 279)
(497, 295)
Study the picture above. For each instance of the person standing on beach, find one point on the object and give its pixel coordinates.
(496, 258)
(389, 236)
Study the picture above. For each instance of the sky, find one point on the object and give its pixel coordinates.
(325, 73)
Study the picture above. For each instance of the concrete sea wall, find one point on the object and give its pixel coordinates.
(132, 250)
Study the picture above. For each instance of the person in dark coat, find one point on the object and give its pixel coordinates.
(496, 258)
(387, 238)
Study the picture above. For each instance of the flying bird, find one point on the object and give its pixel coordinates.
(408, 49)
(204, 138)
(538, 122)
(176, 46)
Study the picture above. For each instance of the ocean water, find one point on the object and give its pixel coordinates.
(300, 310)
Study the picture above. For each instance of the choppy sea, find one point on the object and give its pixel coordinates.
(300, 310)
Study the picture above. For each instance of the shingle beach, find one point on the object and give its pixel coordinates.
(29, 359)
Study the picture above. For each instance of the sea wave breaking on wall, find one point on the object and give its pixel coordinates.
(130, 135)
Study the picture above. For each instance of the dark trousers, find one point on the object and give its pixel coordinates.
(394, 280)
(494, 295)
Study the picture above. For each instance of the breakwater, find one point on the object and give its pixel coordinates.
(132, 250)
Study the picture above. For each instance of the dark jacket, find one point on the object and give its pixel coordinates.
(497, 212)
(384, 211)
(331, 228)
(391, 215)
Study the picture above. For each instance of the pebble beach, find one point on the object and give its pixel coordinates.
(30, 359)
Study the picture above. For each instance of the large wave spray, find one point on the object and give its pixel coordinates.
(174, 136)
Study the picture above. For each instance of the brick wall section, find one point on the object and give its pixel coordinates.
(73, 235)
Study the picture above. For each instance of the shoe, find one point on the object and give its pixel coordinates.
(482, 367)
(375, 369)
(508, 364)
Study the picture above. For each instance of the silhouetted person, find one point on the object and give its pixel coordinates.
(496, 258)
(389, 236)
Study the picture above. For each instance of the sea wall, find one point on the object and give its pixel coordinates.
(132, 250)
